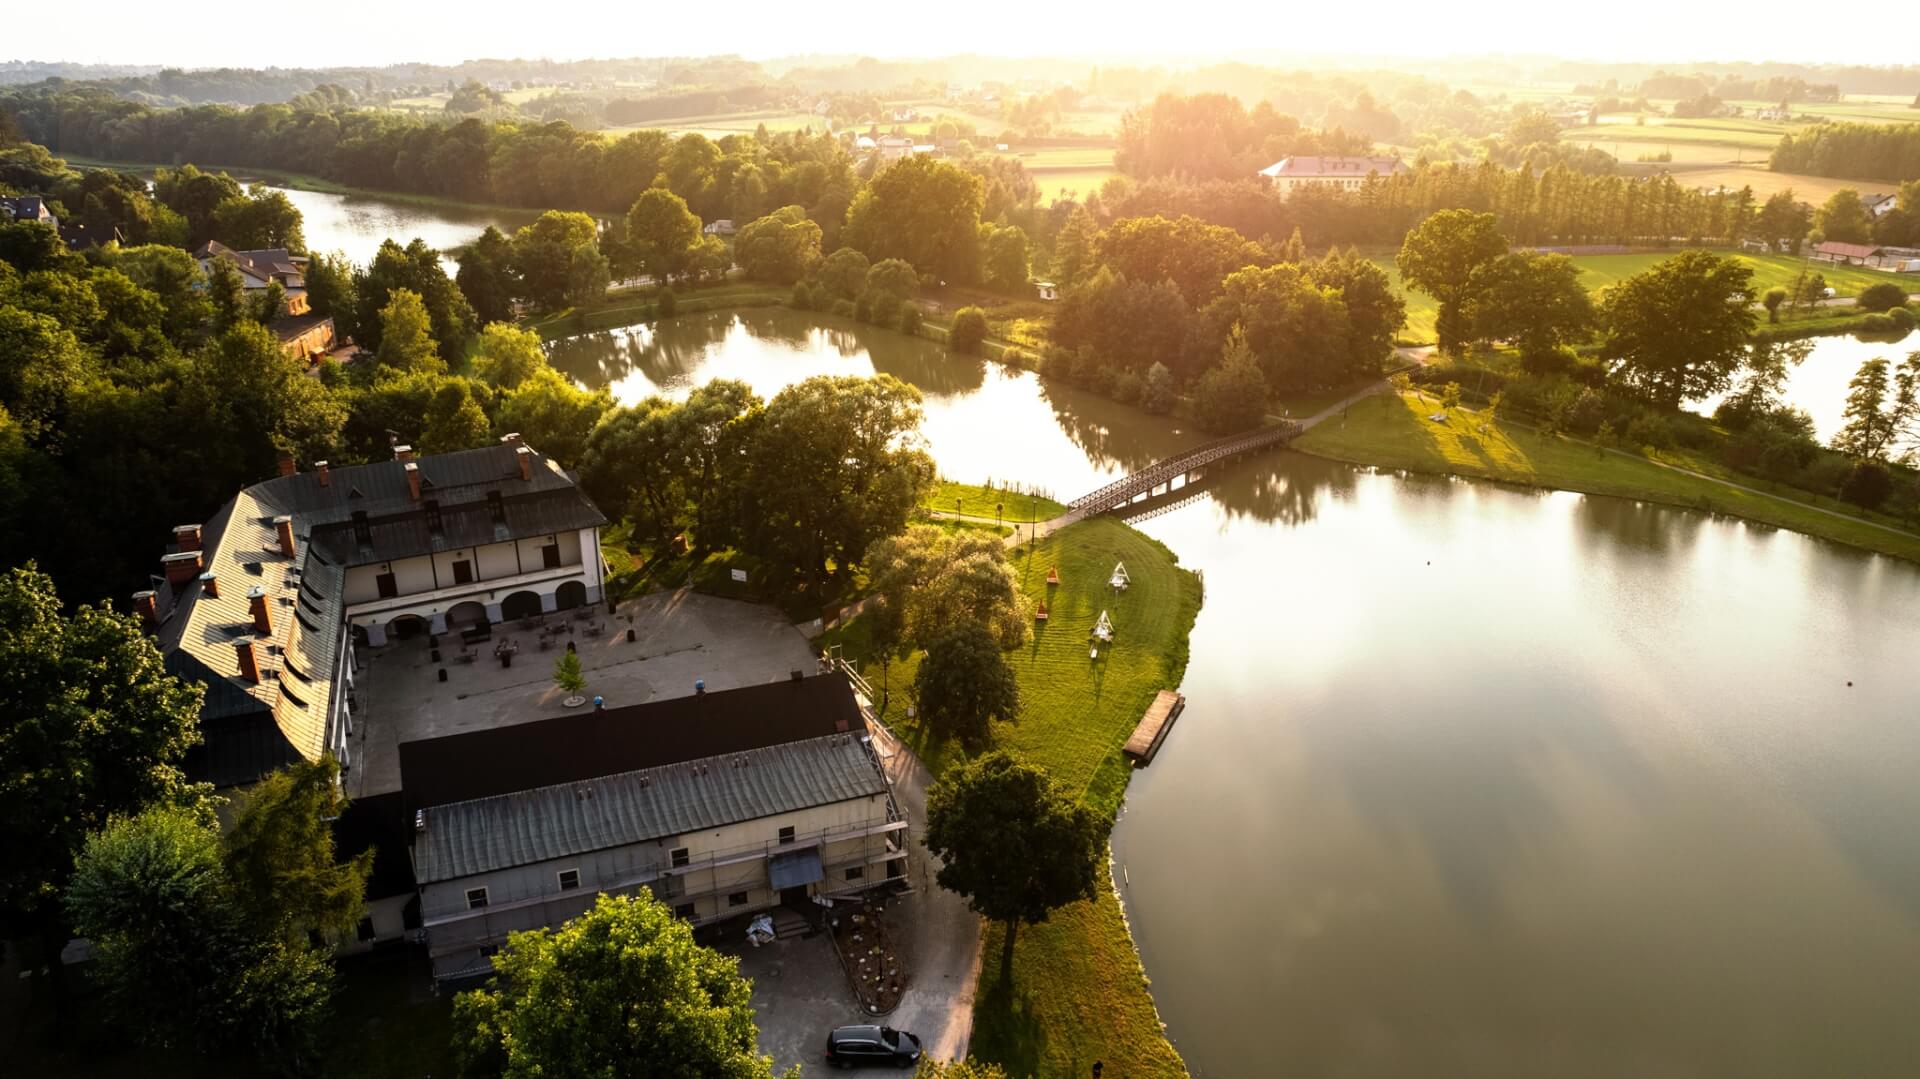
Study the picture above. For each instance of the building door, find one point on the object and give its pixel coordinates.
(463, 572)
(794, 897)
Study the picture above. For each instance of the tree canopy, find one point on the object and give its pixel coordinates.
(782, 247)
(924, 211)
(1678, 330)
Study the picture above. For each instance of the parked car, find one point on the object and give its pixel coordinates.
(852, 1047)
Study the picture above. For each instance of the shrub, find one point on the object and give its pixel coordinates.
(862, 308)
(1882, 296)
(1585, 413)
(1547, 361)
(846, 309)
(1127, 387)
(1231, 397)
(1156, 395)
(1903, 318)
(667, 304)
(910, 318)
(1867, 485)
(1649, 429)
(802, 297)
(1014, 357)
(969, 330)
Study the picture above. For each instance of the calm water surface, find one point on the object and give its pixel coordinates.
(1818, 383)
(356, 224)
(1472, 781)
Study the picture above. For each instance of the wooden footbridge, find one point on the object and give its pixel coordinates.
(1162, 474)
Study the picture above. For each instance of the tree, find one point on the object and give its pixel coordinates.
(1678, 331)
(280, 857)
(330, 286)
(1784, 218)
(1772, 301)
(553, 414)
(661, 234)
(454, 420)
(178, 961)
(958, 1069)
(417, 268)
(1005, 259)
(964, 681)
(486, 276)
(558, 261)
(1883, 404)
(406, 336)
(1882, 296)
(507, 356)
(844, 274)
(1532, 299)
(1844, 218)
(1867, 484)
(889, 283)
(621, 990)
(251, 400)
(262, 219)
(1187, 251)
(1375, 310)
(924, 211)
(90, 725)
(566, 673)
(226, 293)
(1233, 396)
(1439, 257)
(1158, 395)
(782, 247)
(1295, 330)
(1012, 843)
(41, 363)
(969, 330)
(671, 467)
(831, 465)
(938, 579)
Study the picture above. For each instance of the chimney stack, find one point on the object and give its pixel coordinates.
(262, 614)
(284, 525)
(181, 568)
(147, 606)
(325, 473)
(249, 663)
(511, 438)
(403, 452)
(525, 457)
(413, 480)
(186, 537)
(288, 466)
(209, 584)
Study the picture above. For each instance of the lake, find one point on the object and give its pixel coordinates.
(357, 224)
(1472, 780)
(1818, 383)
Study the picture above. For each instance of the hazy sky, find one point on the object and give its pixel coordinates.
(356, 32)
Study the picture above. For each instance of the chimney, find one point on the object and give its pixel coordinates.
(403, 452)
(148, 608)
(284, 525)
(181, 568)
(249, 663)
(186, 537)
(511, 438)
(525, 457)
(208, 584)
(413, 480)
(325, 473)
(262, 614)
(288, 466)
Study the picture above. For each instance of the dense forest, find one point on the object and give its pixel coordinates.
(1889, 153)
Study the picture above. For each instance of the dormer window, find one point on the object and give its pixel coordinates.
(433, 517)
(362, 530)
(496, 508)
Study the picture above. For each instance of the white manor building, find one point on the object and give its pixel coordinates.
(1346, 173)
(266, 603)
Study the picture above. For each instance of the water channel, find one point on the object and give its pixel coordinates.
(1473, 781)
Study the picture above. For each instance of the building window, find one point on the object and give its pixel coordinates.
(362, 530)
(433, 517)
(386, 586)
(856, 873)
(737, 899)
(550, 556)
(476, 898)
(496, 510)
(569, 879)
(786, 835)
(684, 910)
(678, 857)
(364, 931)
(463, 572)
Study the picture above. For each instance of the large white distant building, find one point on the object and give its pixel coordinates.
(1291, 173)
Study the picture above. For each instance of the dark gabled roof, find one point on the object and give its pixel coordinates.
(526, 756)
(378, 823)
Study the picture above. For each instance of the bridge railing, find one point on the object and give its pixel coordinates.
(1206, 453)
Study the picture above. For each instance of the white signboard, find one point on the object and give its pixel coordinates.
(740, 575)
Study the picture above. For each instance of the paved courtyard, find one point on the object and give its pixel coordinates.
(680, 637)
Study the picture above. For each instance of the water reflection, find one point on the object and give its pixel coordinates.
(1818, 381)
(356, 224)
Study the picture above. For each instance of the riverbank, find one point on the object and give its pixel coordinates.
(1078, 992)
(300, 181)
(1393, 431)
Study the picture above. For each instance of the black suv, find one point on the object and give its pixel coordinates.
(850, 1047)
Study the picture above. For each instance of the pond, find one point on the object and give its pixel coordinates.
(1818, 382)
(1472, 781)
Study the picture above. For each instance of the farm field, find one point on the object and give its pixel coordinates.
(1814, 189)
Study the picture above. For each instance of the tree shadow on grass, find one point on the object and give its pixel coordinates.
(1005, 1030)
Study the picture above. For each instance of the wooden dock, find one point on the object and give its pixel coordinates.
(1153, 728)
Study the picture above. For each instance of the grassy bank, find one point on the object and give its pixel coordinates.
(975, 500)
(1078, 993)
(1394, 432)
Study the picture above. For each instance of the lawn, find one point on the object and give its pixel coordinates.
(1006, 501)
(1598, 272)
(1394, 432)
(1078, 993)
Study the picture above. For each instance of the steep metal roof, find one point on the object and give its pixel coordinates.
(530, 826)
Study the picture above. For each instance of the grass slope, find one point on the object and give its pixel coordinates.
(974, 500)
(1394, 432)
(1078, 992)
